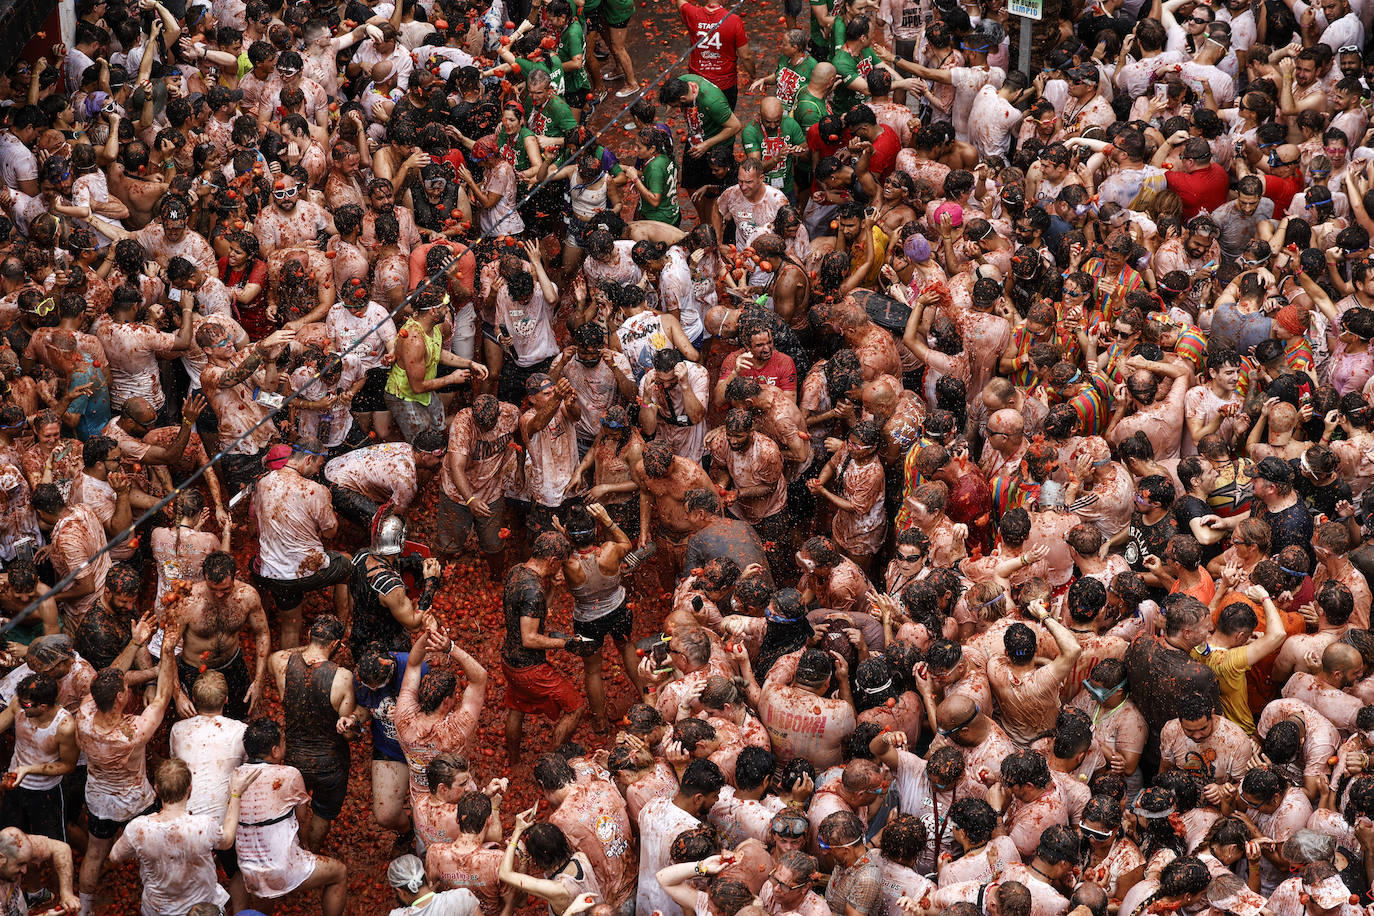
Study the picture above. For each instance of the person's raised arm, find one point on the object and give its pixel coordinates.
(676, 880)
(1069, 649)
(229, 826)
(545, 284)
(475, 693)
(1274, 631)
(553, 892)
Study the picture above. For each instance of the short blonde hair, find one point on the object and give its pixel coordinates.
(210, 692)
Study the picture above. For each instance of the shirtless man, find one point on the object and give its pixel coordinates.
(18, 852)
(664, 479)
(210, 621)
(273, 861)
(137, 193)
(792, 703)
(114, 742)
(897, 411)
(317, 695)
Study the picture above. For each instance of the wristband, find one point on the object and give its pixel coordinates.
(468, 501)
(701, 868)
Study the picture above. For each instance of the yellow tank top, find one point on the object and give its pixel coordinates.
(398, 382)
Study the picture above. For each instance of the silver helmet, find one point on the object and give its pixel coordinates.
(390, 536)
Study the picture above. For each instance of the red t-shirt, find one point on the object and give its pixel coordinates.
(822, 145)
(779, 371)
(886, 146)
(1282, 190)
(714, 52)
(467, 263)
(1205, 189)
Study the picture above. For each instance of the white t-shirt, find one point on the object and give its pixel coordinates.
(175, 862)
(967, 81)
(991, 122)
(457, 902)
(212, 746)
(17, 161)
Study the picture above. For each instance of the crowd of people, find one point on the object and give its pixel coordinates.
(911, 487)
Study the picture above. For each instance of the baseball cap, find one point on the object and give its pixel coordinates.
(1274, 470)
(277, 456)
(1084, 73)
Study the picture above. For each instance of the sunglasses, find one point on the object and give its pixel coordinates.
(285, 194)
(1099, 834)
(1121, 335)
(908, 557)
(1201, 21)
(789, 887)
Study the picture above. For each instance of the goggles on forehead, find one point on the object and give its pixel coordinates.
(791, 828)
(829, 846)
(955, 729)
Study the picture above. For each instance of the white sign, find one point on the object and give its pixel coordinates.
(1028, 9)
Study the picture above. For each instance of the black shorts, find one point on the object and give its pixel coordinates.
(602, 19)
(236, 676)
(617, 625)
(103, 829)
(38, 811)
(577, 98)
(228, 860)
(289, 593)
(327, 788)
(905, 50)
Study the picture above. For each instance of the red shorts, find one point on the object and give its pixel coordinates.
(540, 689)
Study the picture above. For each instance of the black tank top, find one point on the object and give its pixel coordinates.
(313, 743)
(372, 620)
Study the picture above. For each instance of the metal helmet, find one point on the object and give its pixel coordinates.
(390, 536)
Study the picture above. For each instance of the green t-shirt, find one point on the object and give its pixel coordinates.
(572, 44)
(711, 112)
(555, 119)
(809, 109)
(792, 80)
(553, 66)
(660, 176)
(757, 143)
(514, 149)
(820, 37)
(851, 69)
(618, 10)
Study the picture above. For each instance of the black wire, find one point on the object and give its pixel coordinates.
(410, 298)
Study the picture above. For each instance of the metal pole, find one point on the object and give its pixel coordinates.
(1024, 62)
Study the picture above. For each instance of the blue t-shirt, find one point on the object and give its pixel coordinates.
(93, 408)
(382, 704)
